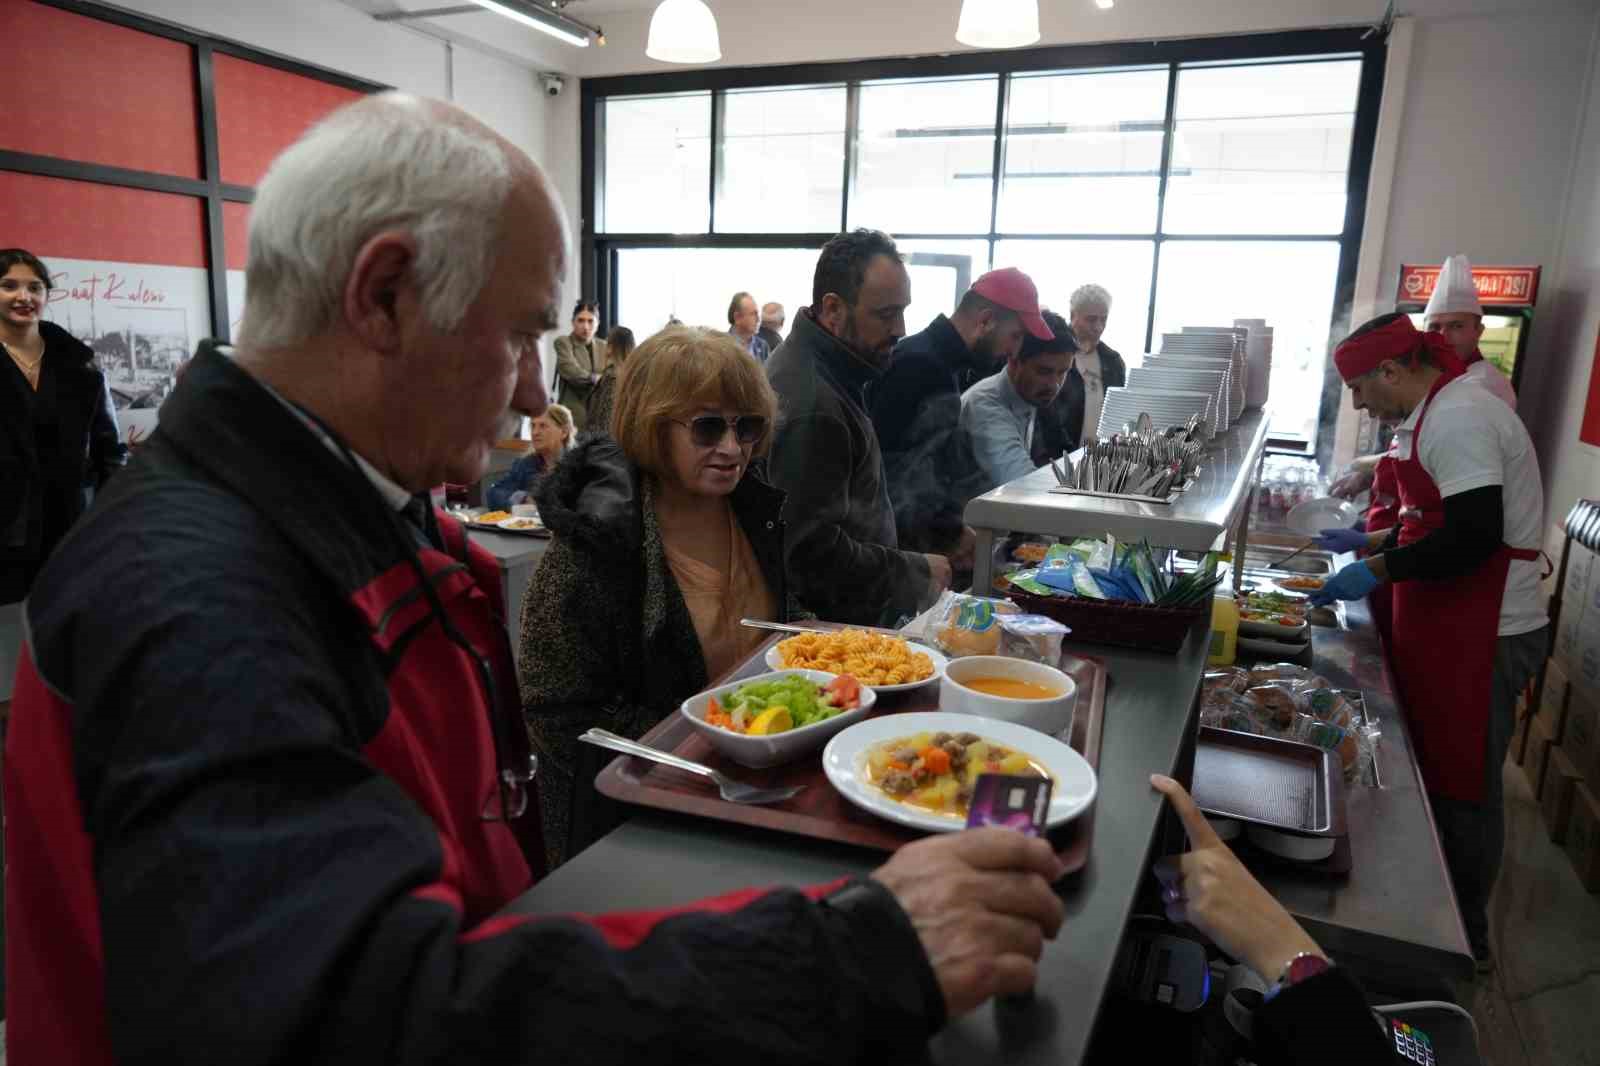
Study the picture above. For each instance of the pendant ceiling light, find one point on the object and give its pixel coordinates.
(998, 23)
(683, 31)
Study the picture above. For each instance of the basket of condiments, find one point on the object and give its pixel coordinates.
(1110, 593)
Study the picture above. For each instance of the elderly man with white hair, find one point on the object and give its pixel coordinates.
(1075, 416)
(267, 783)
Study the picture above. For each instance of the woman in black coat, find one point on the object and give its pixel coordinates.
(58, 433)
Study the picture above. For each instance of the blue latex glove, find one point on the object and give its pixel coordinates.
(1341, 540)
(1351, 583)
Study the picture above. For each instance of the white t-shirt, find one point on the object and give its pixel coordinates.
(1094, 392)
(1489, 376)
(1471, 440)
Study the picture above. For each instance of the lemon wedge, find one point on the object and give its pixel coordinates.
(772, 720)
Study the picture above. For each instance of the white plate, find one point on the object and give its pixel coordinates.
(937, 657)
(520, 523)
(1313, 516)
(844, 761)
(760, 752)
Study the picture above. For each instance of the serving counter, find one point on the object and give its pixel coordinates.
(1213, 511)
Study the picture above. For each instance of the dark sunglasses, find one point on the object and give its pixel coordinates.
(707, 431)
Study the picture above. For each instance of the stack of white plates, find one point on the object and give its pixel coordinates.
(1239, 337)
(1229, 411)
(1214, 382)
(1258, 361)
(1165, 408)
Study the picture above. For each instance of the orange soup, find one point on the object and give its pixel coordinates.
(1011, 688)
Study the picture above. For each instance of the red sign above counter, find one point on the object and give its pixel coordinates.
(1514, 286)
(1498, 287)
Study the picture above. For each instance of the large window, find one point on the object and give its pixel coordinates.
(1196, 181)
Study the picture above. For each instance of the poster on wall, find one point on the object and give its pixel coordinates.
(142, 321)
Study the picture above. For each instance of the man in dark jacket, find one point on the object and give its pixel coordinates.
(916, 408)
(265, 803)
(845, 561)
(1075, 416)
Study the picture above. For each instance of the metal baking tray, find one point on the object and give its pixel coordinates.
(1282, 784)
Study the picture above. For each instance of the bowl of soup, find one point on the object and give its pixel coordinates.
(1012, 690)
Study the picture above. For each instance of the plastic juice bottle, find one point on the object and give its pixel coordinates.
(1224, 631)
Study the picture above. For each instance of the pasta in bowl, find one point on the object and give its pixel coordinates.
(881, 662)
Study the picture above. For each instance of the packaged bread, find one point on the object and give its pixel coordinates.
(1031, 636)
(968, 625)
(1276, 701)
(1330, 737)
(1233, 678)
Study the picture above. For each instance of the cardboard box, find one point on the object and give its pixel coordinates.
(1576, 594)
(1553, 700)
(1561, 781)
(1583, 837)
(1581, 741)
(1539, 746)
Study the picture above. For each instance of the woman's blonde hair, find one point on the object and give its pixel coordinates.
(676, 373)
(562, 417)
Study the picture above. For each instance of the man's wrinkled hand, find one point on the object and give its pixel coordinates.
(983, 907)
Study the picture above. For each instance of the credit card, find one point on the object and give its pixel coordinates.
(1012, 801)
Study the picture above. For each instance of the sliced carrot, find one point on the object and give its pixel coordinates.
(896, 764)
(937, 760)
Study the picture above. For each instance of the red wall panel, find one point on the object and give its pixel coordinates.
(84, 220)
(262, 110)
(236, 233)
(88, 90)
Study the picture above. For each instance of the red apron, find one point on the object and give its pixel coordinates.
(1444, 640)
(1383, 513)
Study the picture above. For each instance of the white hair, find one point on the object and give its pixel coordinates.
(1090, 296)
(388, 162)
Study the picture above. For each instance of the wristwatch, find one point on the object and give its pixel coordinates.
(1302, 967)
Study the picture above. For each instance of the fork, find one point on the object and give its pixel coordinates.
(732, 791)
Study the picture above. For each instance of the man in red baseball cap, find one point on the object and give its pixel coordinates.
(916, 409)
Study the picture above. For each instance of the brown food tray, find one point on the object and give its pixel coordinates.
(820, 811)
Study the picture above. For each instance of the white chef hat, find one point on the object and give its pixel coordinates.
(1454, 291)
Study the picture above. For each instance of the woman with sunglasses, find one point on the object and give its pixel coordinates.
(664, 538)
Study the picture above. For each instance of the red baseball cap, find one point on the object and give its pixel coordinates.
(1012, 289)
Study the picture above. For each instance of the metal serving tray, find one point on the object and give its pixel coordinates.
(1281, 784)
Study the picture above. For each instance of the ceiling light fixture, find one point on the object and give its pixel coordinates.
(561, 27)
(683, 31)
(998, 23)
(1105, 5)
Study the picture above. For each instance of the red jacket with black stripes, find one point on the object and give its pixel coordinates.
(245, 781)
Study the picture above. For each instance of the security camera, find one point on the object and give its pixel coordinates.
(553, 84)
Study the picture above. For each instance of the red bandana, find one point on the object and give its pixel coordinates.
(1356, 356)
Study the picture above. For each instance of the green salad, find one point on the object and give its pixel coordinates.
(806, 701)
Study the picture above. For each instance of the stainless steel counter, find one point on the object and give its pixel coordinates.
(657, 860)
(1195, 522)
(1395, 913)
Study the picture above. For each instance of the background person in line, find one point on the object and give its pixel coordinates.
(672, 492)
(579, 362)
(744, 324)
(1096, 368)
(844, 555)
(772, 319)
(1000, 414)
(619, 345)
(301, 698)
(916, 409)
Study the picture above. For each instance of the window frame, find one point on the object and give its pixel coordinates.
(211, 190)
(598, 261)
